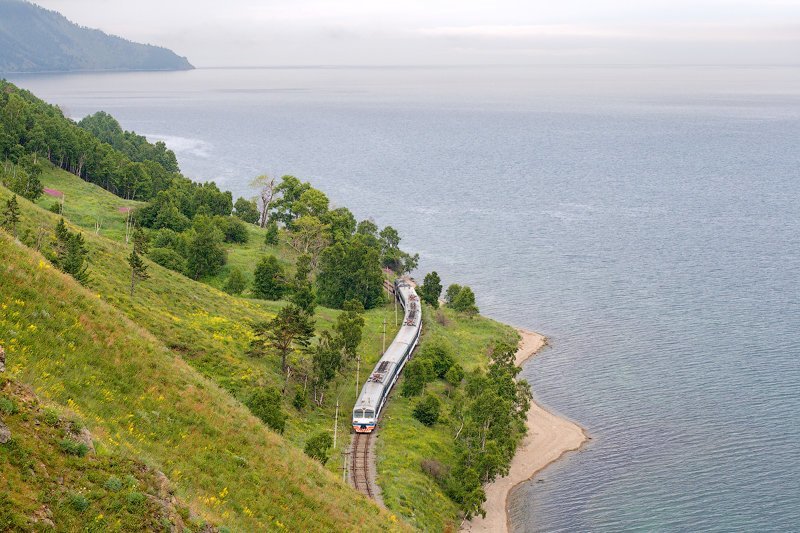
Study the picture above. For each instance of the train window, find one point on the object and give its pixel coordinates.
(369, 413)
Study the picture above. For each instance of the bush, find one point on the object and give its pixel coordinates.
(434, 468)
(232, 228)
(271, 237)
(299, 400)
(417, 373)
(440, 354)
(72, 447)
(318, 447)
(78, 502)
(427, 410)
(135, 500)
(168, 259)
(50, 417)
(455, 375)
(235, 283)
(8, 406)
(113, 483)
(268, 282)
(266, 405)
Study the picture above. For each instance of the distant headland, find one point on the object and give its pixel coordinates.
(34, 39)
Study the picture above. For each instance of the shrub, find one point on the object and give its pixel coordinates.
(271, 237)
(232, 228)
(454, 375)
(113, 483)
(266, 405)
(135, 499)
(78, 502)
(434, 468)
(427, 410)
(299, 400)
(417, 373)
(440, 354)
(55, 207)
(50, 417)
(235, 283)
(168, 258)
(268, 282)
(318, 447)
(8, 406)
(72, 447)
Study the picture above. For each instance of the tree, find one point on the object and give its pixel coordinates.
(271, 237)
(350, 327)
(312, 202)
(326, 361)
(268, 282)
(318, 447)
(309, 235)
(464, 301)
(266, 404)
(290, 190)
(431, 289)
(452, 292)
(10, 217)
(235, 283)
(266, 195)
(440, 354)
(138, 268)
(73, 260)
(302, 289)
(347, 271)
(205, 254)
(246, 210)
(427, 410)
(454, 375)
(417, 374)
(290, 329)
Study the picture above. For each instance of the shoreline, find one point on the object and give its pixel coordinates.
(549, 437)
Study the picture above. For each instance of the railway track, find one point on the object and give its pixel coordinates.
(360, 464)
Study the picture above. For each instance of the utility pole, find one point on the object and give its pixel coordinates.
(336, 424)
(384, 336)
(395, 310)
(358, 370)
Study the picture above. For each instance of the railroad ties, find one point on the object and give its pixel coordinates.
(360, 475)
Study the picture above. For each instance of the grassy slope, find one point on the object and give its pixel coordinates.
(404, 442)
(41, 480)
(138, 398)
(209, 328)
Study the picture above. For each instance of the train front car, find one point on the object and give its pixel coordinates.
(364, 419)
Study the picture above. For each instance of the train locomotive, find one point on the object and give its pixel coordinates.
(376, 389)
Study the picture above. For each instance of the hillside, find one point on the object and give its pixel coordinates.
(33, 39)
(138, 398)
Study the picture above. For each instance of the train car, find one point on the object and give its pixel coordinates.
(376, 388)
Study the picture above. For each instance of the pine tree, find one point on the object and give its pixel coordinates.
(74, 262)
(10, 217)
(138, 267)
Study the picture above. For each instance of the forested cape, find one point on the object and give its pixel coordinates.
(33, 39)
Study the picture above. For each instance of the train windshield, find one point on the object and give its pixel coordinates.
(368, 413)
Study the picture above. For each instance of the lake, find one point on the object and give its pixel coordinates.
(646, 219)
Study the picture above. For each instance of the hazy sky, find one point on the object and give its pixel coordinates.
(381, 32)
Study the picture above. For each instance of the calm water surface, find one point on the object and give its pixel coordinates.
(646, 219)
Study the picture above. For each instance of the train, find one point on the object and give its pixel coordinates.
(375, 391)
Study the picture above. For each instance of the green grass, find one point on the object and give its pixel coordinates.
(404, 442)
(74, 491)
(86, 204)
(139, 399)
(210, 331)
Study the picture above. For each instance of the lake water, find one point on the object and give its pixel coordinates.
(646, 219)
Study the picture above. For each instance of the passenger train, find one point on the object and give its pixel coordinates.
(380, 382)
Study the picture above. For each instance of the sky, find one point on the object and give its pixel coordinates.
(453, 32)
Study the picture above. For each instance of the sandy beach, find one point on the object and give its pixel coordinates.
(549, 437)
